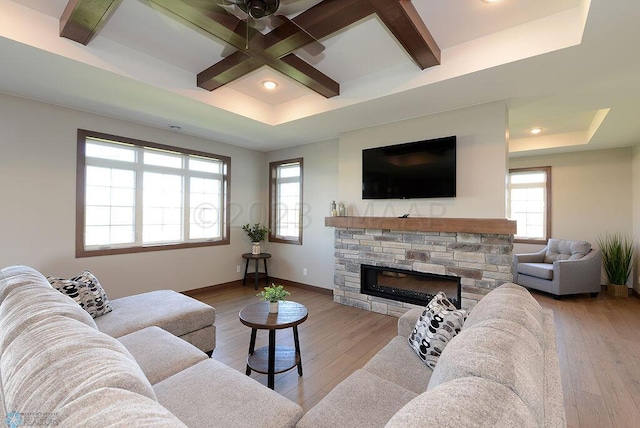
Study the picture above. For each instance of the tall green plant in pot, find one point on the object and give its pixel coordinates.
(617, 257)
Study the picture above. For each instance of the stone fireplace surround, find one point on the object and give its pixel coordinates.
(479, 251)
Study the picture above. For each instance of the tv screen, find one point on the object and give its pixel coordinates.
(422, 169)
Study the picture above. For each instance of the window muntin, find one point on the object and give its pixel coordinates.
(139, 196)
(529, 203)
(286, 201)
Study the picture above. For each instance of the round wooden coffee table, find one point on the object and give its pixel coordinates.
(273, 359)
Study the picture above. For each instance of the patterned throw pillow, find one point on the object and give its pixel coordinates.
(86, 291)
(439, 323)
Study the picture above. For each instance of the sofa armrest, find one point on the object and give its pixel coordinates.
(530, 257)
(407, 321)
(579, 276)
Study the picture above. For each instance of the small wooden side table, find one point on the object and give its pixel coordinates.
(273, 359)
(256, 273)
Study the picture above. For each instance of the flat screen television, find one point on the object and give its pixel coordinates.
(422, 169)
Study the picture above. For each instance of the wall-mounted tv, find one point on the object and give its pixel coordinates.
(422, 169)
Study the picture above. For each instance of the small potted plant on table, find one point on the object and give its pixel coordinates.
(273, 295)
(256, 234)
(617, 257)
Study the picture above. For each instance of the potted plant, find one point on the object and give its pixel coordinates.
(273, 295)
(617, 257)
(256, 234)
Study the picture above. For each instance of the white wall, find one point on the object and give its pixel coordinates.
(481, 163)
(320, 187)
(37, 190)
(591, 193)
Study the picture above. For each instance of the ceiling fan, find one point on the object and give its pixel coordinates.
(271, 14)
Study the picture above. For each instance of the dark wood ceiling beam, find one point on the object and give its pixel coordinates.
(229, 69)
(403, 20)
(83, 19)
(302, 72)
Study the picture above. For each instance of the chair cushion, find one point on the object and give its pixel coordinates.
(561, 249)
(439, 323)
(539, 270)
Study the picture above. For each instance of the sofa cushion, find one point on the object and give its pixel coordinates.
(114, 407)
(84, 289)
(361, 400)
(57, 360)
(212, 394)
(513, 303)
(160, 354)
(501, 351)
(398, 363)
(465, 402)
(439, 323)
(34, 301)
(561, 249)
(174, 312)
(539, 270)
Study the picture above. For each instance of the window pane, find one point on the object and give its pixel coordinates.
(528, 177)
(162, 159)
(291, 170)
(112, 151)
(203, 165)
(204, 208)
(162, 208)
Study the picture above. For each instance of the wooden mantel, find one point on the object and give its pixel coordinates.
(495, 226)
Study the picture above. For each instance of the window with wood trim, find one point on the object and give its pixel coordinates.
(285, 201)
(529, 203)
(135, 196)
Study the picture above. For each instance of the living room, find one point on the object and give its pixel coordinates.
(593, 191)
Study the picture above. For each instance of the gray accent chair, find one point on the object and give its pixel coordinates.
(561, 268)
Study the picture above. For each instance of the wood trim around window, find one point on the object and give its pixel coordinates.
(547, 170)
(80, 197)
(273, 167)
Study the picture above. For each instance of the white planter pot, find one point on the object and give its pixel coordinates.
(256, 248)
(273, 307)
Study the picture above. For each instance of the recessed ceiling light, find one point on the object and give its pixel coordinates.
(269, 84)
(490, 1)
(536, 131)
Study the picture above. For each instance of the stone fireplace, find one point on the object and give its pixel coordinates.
(477, 251)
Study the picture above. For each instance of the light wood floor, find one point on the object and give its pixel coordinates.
(598, 345)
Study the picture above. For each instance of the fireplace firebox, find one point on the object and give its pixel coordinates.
(408, 286)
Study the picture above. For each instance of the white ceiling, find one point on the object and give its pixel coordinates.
(574, 74)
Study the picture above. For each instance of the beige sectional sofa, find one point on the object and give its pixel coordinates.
(501, 370)
(57, 366)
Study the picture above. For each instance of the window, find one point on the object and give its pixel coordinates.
(285, 201)
(529, 203)
(137, 196)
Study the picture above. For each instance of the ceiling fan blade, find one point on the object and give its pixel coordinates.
(290, 7)
(313, 47)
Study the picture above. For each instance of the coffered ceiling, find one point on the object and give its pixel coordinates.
(563, 65)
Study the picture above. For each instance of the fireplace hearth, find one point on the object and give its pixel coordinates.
(408, 286)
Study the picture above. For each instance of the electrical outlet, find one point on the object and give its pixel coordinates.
(304, 271)
(238, 268)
